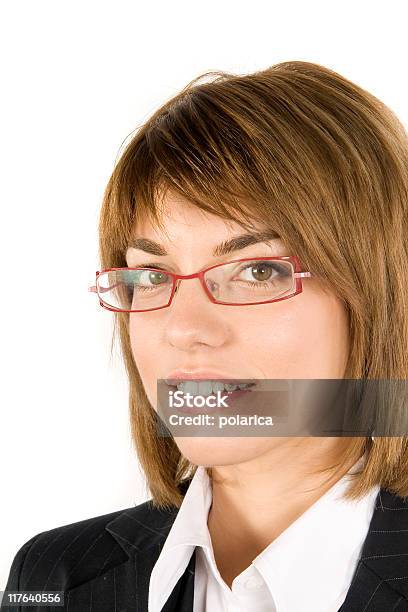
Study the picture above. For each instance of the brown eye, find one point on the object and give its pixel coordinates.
(261, 271)
(156, 278)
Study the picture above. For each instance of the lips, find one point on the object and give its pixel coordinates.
(229, 381)
(176, 376)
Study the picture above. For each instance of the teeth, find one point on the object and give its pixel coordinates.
(208, 387)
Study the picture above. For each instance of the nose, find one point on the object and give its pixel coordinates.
(193, 319)
(194, 285)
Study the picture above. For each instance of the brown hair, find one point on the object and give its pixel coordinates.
(300, 148)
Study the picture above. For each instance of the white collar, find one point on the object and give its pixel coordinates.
(332, 529)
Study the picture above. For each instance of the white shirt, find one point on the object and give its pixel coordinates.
(308, 567)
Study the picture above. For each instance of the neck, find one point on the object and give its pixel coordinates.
(255, 501)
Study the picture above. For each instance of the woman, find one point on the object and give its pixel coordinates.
(293, 162)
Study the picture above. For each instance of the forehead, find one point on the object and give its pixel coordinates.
(180, 215)
(181, 223)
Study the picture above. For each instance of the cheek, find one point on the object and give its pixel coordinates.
(145, 347)
(306, 339)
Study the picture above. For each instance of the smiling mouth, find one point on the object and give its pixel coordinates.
(208, 387)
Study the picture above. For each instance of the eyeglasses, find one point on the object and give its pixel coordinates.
(241, 282)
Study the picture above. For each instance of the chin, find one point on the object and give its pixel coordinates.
(213, 451)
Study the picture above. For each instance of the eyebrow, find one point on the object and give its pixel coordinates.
(224, 248)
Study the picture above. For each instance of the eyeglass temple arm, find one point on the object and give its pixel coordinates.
(302, 274)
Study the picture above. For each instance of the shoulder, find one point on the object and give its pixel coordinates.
(72, 554)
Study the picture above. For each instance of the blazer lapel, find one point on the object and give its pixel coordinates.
(123, 586)
(380, 582)
(141, 533)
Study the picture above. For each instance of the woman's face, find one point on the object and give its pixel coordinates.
(303, 337)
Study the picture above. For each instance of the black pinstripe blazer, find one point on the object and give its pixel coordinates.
(103, 564)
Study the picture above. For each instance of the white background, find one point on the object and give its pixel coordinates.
(77, 77)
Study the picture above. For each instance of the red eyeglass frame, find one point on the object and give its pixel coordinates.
(293, 259)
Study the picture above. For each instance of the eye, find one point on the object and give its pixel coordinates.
(263, 271)
(147, 278)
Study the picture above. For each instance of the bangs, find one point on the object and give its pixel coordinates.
(214, 149)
